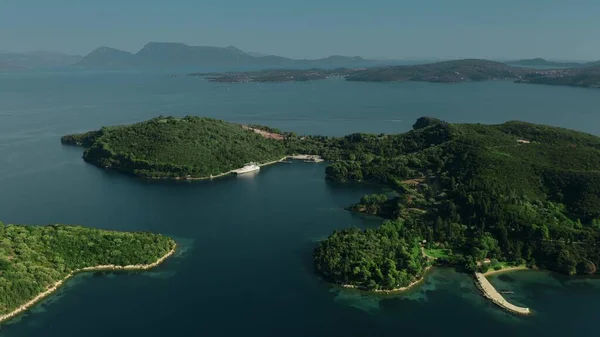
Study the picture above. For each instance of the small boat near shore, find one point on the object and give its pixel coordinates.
(250, 167)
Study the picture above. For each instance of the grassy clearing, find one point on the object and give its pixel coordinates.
(438, 253)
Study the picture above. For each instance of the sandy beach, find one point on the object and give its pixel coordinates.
(57, 285)
(504, 270)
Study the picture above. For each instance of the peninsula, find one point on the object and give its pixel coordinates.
(473, 196)
(442, 72)
(584, 75)
(36, 260)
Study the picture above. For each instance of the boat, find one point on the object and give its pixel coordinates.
(250, 167)
(313, 159)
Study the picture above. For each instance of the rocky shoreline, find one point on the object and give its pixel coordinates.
(395, 290)
(59, 283)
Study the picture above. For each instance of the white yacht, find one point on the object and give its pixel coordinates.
(250, 167)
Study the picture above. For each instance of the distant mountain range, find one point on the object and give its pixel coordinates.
(168, 54)
(36, 59)
(543, 63)
(164, 54)
(440, 72)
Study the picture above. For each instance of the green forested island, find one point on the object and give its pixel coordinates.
(34, 258)
(168, 147)
(517, 192)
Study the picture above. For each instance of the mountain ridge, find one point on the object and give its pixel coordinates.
(180, 54)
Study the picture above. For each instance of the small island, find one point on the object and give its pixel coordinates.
(477, 197)
(36, 260)
(179, 148)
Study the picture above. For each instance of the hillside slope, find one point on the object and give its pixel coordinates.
(167, 54)
(449, 71)
(176, 147)
(540, 62)
(106, 57)
(587, 77)
(517, 192)
(441, 72)
(34, 258)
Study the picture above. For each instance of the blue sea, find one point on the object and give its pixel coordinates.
(244, 267)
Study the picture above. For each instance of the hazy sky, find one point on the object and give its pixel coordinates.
(555, 29)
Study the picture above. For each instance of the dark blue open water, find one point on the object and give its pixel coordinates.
(244, 267)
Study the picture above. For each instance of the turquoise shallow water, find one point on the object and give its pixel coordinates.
(245, 263)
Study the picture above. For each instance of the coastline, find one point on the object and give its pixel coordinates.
(504, 270)
(395, 290)
(286, 157)
(24, 307)
(218, 175)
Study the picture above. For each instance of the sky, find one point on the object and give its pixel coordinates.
(391, 29)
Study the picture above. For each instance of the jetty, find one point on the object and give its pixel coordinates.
(490, 292)
(307, 158)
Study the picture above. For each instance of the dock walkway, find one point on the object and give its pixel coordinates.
(490, 292)
(306, 157)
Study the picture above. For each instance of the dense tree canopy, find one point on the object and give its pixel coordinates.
(388, 257)
(176, 147)
(515, 192)
(34, 257)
